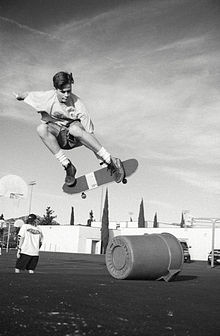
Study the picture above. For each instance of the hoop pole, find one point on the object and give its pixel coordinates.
(8, 237)
(31, 184)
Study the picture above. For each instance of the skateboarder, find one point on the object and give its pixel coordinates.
(66, 124)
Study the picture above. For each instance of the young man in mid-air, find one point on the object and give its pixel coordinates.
(66, 124)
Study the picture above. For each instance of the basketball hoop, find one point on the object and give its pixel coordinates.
(13, 186)
(16, 196)
(13, 189)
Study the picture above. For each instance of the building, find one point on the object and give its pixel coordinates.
(87, 239)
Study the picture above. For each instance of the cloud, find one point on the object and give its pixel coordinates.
(161, 204)
(27, 28)
(183, 44)
(153, 96)
(210, 182)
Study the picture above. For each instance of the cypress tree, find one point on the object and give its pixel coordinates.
(72, 216)
(156, 224)
(141, 219)
(105, 226)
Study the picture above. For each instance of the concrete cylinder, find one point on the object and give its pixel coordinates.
(150, 257)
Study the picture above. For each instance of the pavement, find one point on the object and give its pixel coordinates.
(74, 295)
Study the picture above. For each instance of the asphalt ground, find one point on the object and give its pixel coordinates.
(74, 295)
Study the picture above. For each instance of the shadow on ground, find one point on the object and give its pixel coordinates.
(185, 277)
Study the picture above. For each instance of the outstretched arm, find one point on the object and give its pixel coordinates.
(20, 96)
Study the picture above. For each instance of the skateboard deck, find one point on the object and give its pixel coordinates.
(99, 177)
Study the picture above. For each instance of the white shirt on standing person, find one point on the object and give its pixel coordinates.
(30, 239)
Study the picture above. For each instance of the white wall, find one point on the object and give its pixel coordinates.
(69, 238)
(59, 238)
(80, 239)
(200, 239)
(86, 236)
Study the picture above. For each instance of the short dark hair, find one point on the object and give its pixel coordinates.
(31, 218)
(62, 78)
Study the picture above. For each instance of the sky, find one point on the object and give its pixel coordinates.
(149, 74)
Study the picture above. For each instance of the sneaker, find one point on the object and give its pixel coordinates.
(70, 179)
(116, 169)
(31, 272)
(17, 270)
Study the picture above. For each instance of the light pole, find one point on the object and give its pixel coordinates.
(31, 184)
(8, 236)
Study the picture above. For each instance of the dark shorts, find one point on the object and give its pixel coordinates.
(26, 262)
(65, 140)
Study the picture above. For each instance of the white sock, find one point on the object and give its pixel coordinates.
(61, 157)
(104, 155)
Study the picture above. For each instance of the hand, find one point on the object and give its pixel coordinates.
(18, 254)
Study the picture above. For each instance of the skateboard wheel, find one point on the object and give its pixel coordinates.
(124, 181)
(83, 195)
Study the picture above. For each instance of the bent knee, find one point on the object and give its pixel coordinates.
(42, 130)
(76, 130)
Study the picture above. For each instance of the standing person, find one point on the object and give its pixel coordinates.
(66, 124)
(30, 241)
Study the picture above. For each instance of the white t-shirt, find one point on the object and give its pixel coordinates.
(47, 101)
(32, 236)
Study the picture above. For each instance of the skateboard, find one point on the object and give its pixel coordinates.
(98, 178)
